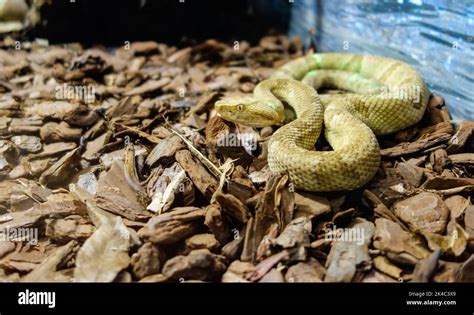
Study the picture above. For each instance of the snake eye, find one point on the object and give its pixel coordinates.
(240, 107)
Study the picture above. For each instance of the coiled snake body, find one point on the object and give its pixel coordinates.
(384, 96)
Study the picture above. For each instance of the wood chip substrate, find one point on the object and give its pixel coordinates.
(114, 167)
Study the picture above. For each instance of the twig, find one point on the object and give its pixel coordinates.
(212, 168)
(227, 169)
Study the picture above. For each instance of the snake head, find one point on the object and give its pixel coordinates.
(249, 111)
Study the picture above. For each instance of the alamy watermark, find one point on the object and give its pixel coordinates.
(345, 235)
(246, 140)
(28, 297)
(412, 93)
(84, 93)
(20, 234)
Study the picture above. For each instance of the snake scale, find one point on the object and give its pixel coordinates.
(383, 96)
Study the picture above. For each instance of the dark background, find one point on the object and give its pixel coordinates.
(113, 22)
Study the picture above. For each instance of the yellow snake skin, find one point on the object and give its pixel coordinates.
(383, 96)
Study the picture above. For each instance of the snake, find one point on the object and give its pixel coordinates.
(380, 96)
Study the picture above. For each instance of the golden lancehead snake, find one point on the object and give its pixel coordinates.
(383, 96)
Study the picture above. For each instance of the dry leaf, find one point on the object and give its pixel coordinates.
(104, 254)
(453, 244)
